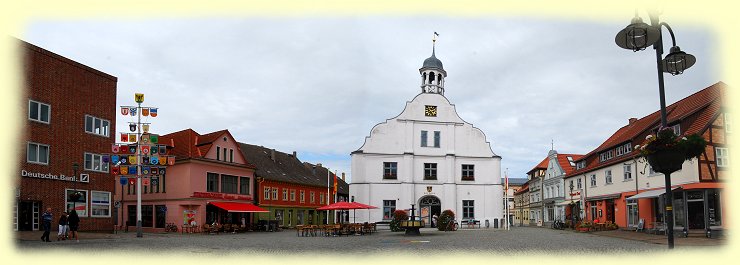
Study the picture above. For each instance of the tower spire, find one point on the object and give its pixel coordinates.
(434, 42)
(432, 72)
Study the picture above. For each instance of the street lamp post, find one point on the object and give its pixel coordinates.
(638, 36)
(75, 197)
(572, 206)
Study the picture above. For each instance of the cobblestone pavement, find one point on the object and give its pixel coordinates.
(493, 241)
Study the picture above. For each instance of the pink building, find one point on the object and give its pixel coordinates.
(209, 170)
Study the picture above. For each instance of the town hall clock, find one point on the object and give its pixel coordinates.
(430, 111)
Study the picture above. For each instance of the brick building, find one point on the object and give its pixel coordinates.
(70, 113)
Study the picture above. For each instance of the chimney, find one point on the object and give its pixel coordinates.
(295, 154)
(632, 120)
(272, 155)
(318, 164)
(342, 176)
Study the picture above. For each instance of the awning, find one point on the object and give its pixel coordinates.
(604, 197)
(237, 207)
(649, 194)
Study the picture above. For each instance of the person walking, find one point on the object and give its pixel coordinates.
(74, 223)
(62, 227)
(46, 218)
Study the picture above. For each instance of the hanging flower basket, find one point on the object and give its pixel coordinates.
(666, 161)
(75, 196)
(666, 152)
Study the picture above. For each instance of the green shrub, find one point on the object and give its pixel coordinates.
(398, 216)
(446, 217)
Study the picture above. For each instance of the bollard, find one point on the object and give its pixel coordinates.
(488, 224)
(495, 223)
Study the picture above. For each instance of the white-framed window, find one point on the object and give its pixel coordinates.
(593, 180)
(624, 149)
(581, 164)
(389, 206)
(40, 112)
(676, 129)
(606, 155)
(437, 136)
(468, 172)
(424, 138)
(430, 171)
(728, 122)
(312, 197)
(303, 196)
(80, 205)
(627, 172)
(608, 176)
(100, 204)
(285, 194)
(468, 209)
(722, 156)
(275, 194)
(37, 153)
(94, 162)
(292, 195)
(266, 193)
(97, 126)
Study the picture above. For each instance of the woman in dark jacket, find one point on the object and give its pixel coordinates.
(74, 223)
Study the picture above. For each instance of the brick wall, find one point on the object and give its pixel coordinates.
(72, 90)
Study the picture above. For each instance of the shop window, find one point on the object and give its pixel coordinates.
(100, 204)
(161, 215)
(147, 215)
(80, 205)
(714, 208)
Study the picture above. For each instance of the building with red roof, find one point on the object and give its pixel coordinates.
(620, 187)
(211, 181)
(547, 190)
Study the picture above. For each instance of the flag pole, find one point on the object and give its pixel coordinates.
(327, 195)
(506, 196)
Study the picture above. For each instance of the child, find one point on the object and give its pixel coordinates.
(62, 235)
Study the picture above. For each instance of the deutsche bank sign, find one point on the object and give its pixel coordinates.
(83, 177)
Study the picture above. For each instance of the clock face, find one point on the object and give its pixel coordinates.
(430, 111)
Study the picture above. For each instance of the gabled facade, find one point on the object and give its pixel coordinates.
(289, 189)
(535, 177)
(69, 117)
(209, 168)
(612, 174)
(554, 188)
(430, 157)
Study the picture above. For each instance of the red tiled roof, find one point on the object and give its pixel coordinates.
(565, 163)
(541, 165)
(188, 144)
(698, 110)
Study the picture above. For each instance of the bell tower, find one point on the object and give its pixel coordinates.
(433, 73)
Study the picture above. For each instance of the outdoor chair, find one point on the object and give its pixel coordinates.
(299, 230)
(206, 228)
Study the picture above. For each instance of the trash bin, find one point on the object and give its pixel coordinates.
(495, 223)
(488, 224)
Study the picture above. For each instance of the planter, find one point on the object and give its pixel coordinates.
(583, 229)
(666, 161)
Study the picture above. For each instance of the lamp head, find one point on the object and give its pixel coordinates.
(75, 166)
(677, 61)
(637, 35)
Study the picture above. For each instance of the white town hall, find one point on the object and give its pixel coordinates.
(430, 157)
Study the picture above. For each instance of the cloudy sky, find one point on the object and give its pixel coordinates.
(317, 85)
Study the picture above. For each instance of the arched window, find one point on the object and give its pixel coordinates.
(431, 78)
(439, 79)
(423, 77)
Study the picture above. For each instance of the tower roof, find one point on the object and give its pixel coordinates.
(432, 62)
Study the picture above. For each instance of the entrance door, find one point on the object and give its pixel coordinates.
(28, 216)
(429, 206)
(695, 209)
